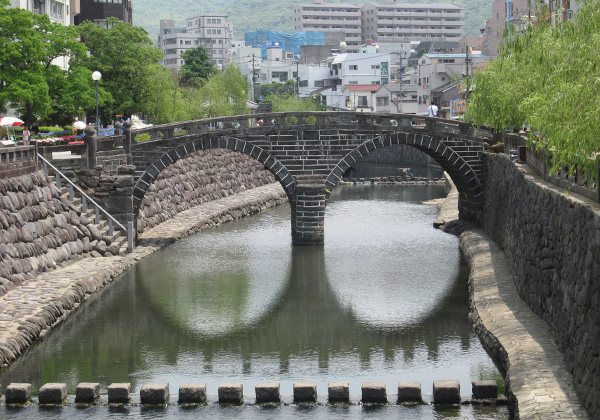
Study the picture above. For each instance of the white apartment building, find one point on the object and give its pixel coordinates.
(391, 21)
(212, 31)
(60, 11)
(334, 17)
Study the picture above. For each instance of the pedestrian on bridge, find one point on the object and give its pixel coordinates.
(432, 110)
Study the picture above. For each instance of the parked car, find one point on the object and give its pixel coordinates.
(513, 154)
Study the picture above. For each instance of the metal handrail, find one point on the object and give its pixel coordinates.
(84, 200)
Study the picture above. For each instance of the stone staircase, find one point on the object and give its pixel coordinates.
(99, 226)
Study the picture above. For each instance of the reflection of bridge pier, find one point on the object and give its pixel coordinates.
(308, 153)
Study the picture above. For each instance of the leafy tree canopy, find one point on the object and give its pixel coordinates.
(225, 93)
(279, 89)
(122, 54)
(197, 66)
(547, 78)
(28, 45)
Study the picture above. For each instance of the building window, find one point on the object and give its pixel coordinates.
(319, 83)
(281, 75)
(353, 82)
(509, 10)
(57, 11)
(362, 101)
(38, 7)
(383, 101)
(353, 67)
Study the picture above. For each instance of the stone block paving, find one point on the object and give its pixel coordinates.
(538, 378)
(28, 311)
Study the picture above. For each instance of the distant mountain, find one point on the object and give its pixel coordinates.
(252, 15)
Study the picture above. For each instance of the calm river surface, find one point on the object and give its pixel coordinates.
(385, 299)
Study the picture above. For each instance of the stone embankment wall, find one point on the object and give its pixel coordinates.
(200, 177)
(551, 241)
(39, 229)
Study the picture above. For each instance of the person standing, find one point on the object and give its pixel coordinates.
(432, 110)
(26, 136)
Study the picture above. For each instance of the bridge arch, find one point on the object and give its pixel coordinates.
(460, 171)
(308, 152)
(206, 142)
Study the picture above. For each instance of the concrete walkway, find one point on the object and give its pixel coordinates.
(539, 384)
(537, 380)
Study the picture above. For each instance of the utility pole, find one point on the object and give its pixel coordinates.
(253, 79)
(297, 81)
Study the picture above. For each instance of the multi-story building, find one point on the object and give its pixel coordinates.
(330, 18)
(212, 31)
(521, 13)
(97, 11)
(503, 12)
(391, 21)
(61, 11)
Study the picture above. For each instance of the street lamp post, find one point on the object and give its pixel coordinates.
(96, 76)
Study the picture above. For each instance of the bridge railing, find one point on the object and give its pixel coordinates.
(321, 119)
(538, 160)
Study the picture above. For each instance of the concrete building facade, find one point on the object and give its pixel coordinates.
(391, 21)
(336, 17)
(60, 11)
(97, 11)
(211, 31)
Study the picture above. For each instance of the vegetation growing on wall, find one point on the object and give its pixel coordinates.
(547, 77)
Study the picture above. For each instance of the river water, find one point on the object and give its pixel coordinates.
(385, 299)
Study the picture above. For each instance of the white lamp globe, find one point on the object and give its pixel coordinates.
(96, 76)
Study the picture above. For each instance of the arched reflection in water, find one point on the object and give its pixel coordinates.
(223, 281)
(405, 267)
(248, 307)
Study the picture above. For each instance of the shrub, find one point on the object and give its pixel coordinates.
(143, 137)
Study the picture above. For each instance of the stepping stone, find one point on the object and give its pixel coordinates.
(305, 392)
(267, 393)
(192, 394)
(18, 393)
(231, 393)
(87, 392)
(118, 393)
(446, 392)
(374, 392)
(52, 393)
(154, 393)
(339, 392)
(484, 389)
(409, 392)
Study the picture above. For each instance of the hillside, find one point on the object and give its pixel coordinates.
(252, 15)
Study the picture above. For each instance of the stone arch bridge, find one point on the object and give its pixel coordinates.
(308, 152)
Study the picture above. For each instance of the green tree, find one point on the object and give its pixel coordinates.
(225, 93)
(276, 88)
(291, 103)
(197, 67)
(124, 55)
(28, 45)
(547, 78)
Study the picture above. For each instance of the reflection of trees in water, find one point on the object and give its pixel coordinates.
(116, 334)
